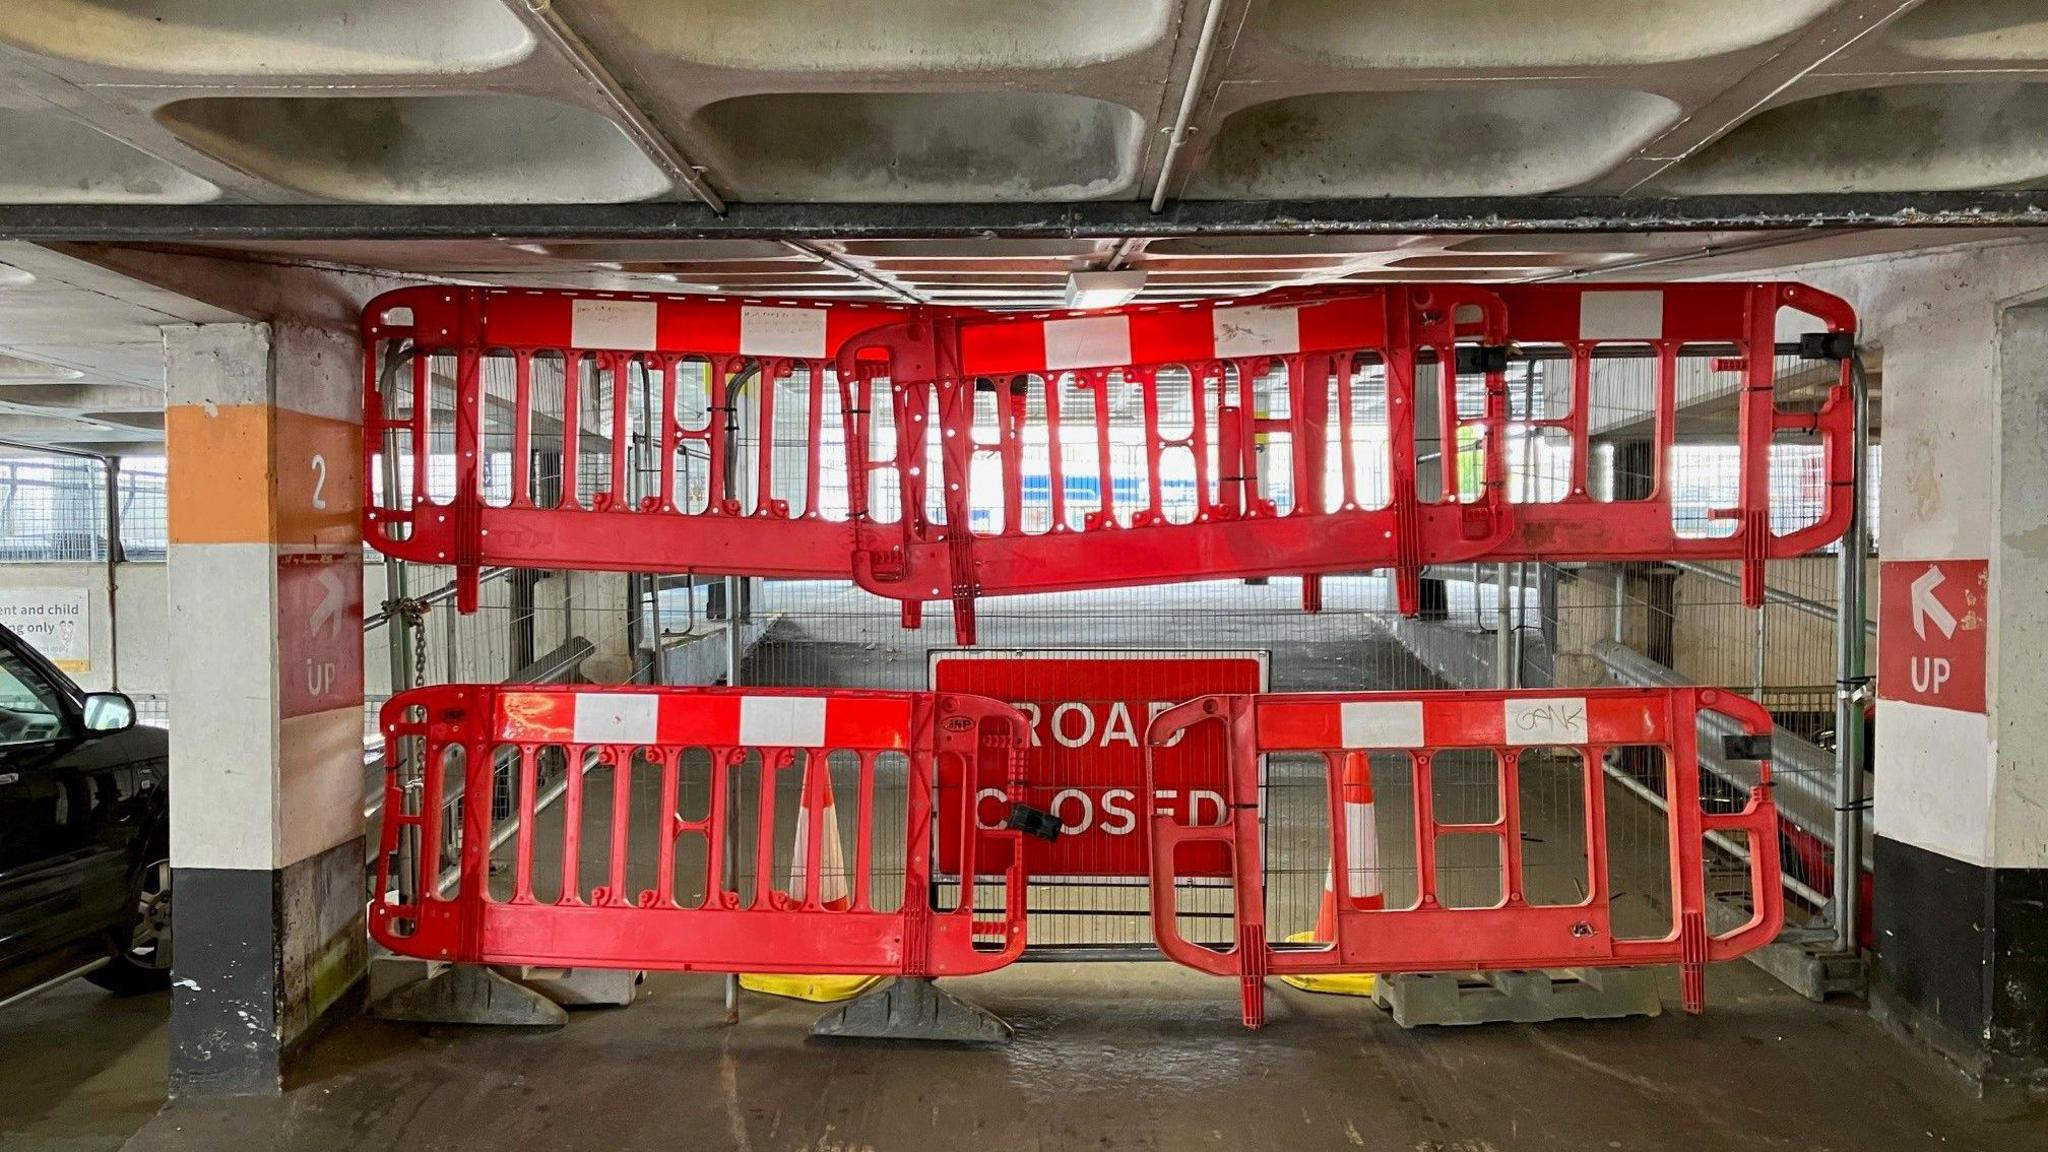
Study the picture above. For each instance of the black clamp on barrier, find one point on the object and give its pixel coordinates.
(1827, 345)
(1743, 746)
(1032, 822)
(1476, 358)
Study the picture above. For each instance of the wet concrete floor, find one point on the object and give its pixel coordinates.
(1118, 1056)
(80, 1068)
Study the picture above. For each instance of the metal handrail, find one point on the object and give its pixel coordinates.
(1773, 595)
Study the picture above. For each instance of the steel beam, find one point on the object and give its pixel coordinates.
(1091, 220)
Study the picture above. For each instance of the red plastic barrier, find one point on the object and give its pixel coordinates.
(648, 411)
(1705, 345)
(946, 454)
(667, 751)
(1516, 933)
(1332, 375)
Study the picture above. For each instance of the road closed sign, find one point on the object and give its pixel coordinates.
(1085, 759)
(1930, 632)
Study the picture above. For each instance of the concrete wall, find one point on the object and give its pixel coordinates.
(1937, 317)
(141, 611)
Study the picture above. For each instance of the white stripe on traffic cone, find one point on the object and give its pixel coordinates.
(833, 892)
(1361, 849)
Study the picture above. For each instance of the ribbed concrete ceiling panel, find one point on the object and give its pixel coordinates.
(47, 157)
(2015, 30)
(1440, 142)
(888, 35)
(1525, 33)
(260, 38)
(1903, 137)
(452, 148)
(924, 146)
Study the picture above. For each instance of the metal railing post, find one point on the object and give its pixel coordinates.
(113, 474)
(1763, 640)
(1503, 628)
(400, 636)
(1851, 681)
(1620, 624)
(734, 650)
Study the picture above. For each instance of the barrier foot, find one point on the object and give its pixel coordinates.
(1530, 997)
(913, 1008)
(470, 994)
(585, 987)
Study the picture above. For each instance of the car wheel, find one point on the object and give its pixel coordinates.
(141, 960)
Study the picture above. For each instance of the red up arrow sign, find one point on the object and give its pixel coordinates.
(1930, 632)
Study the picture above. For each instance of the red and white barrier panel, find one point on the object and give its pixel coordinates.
(947, 454)
(604, 431)
(1660, 348)
(497, 878)
(1524, 929)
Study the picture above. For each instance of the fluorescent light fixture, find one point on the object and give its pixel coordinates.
(1091, 290)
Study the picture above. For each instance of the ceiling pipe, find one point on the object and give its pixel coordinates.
(1197, 74)
(557, 31)
(847, 265)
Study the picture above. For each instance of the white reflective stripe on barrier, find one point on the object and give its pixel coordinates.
(782, 721)
(1381, 723)
(759, 720)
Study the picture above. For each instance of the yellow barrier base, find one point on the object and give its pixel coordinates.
(1337, 984)
(816, 989)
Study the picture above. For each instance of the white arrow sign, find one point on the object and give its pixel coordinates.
(1926, 607)
(331, 595)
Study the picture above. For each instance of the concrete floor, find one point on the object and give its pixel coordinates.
(80, 1069)
(1105, 1057)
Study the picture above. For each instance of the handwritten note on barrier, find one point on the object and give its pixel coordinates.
(1545, 720)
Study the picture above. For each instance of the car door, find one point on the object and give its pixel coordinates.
(64, 850)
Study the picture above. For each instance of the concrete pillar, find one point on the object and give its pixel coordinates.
(1961, 893)
(265, 578)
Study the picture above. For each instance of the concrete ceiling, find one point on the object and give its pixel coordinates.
(81, 357)
(399, 102)
(502, 101)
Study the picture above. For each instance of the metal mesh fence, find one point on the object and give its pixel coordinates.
(833, 634)
(152, 708)
(54, 508)
(143, 509)
(544, 626)
(1685, 622)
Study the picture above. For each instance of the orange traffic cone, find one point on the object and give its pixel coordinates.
(833, 894)
(1361, 848)
(1361, 878)
(832, 890)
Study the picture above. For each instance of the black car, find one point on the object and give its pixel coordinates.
(85, 875)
